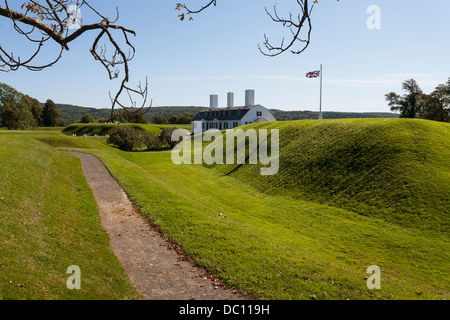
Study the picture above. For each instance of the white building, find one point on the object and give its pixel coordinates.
(231, 116)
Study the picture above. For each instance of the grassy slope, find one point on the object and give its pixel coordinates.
(275, 246)
(49, 221)
(395, 169)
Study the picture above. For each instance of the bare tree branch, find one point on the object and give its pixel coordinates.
(52, 21)
(302, 22)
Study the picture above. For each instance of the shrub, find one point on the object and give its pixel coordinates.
(87, 118)
(151, 140)
(125, 138)
(158, 119)
(166, 137)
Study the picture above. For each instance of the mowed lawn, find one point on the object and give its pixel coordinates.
(48, 222)
(278, 247)
(269, 246)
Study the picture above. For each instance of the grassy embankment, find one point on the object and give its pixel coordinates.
(397, 170)
(291, 240)
(48, 222)
(349, 194)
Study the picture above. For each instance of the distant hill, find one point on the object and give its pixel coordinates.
(72, 114)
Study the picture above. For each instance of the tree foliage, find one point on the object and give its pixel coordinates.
(151, 140)
(416, 104)
(8, 93)
(51, 116)
(182, 119)
(436, 105)
(159, 119)
(36, 109)
(87, 118)
(18, 111)
(136, 116)
(166, 137)
(126, 138)
(17, 115)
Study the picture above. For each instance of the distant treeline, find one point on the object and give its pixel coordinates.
(73, 114)
(281, 115)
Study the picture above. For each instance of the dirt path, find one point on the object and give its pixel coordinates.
(154, 269)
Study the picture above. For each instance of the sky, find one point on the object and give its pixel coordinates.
(217, 53)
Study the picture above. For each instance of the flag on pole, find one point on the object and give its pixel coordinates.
(313, 74)
(317, 74)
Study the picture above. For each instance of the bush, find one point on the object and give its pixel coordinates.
(125, 138)
(126, 116)
(166, 137)
(87, 118)
(151, 140)
(158, 119)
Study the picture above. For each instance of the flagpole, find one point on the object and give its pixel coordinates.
(320, 112)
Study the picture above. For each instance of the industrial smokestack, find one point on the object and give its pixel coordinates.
(213, 101)
(249, 98)
(230, 100)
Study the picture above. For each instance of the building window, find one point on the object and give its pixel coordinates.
(259, 113)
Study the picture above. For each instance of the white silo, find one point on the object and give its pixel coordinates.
(230, 100)
(249, 98)
(213, 101)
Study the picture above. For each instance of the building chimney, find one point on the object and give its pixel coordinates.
(213, 101)
(249, 98)
(230, 99)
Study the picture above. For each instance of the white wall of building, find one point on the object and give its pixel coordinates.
(252, 115)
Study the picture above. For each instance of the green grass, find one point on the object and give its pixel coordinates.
(102, 129)
(48, 222)
(286, 244)
(395, 169)
(278, 246)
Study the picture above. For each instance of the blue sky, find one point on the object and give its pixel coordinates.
(217, 53)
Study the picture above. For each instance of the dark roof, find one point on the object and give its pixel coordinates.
(222, 114)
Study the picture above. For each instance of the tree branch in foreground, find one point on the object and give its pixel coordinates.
(59, 22)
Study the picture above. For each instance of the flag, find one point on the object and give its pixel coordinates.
(313, 74)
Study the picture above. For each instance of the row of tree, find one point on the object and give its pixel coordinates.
(174, 119)
(137, 116)
(416, 104)
(19, 111)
